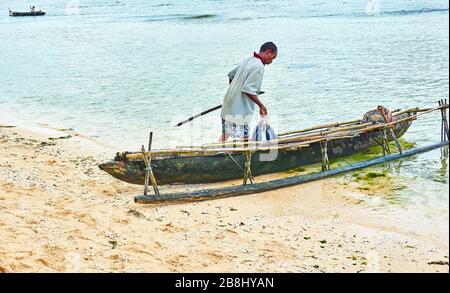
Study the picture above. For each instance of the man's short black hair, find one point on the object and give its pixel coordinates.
(269, 46)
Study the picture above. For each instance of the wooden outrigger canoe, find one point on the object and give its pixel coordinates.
(225, 161)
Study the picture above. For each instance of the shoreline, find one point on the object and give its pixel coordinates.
(61, 213)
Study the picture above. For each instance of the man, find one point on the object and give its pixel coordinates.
(241, 97)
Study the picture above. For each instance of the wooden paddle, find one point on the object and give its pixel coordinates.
(203, 113)
(198, 115)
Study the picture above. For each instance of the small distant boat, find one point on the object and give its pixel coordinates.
(30, 13)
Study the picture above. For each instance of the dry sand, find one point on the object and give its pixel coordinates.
(60, 213)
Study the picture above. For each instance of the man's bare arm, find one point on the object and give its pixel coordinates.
(257, 101)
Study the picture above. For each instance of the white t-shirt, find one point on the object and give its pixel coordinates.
(247, 77)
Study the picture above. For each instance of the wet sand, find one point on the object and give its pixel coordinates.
(60, 213)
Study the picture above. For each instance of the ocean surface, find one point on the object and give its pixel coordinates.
(116, 70)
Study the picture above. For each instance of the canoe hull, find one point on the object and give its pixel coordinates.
(216, 168)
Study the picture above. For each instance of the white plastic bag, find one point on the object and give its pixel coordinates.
(263, 131)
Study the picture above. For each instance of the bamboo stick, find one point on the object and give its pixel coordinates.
(206, 152)
(409, 110)
(397, 113)
(325, 128)
(283, 143)
(270, 143)
(147, 174)
(348, 128)
(410, 118)
(327, 125)
(272, 146)
(285, 140)
(442, 124)
(211, 152)
(393, 133)
(336, 124)
(445, 119)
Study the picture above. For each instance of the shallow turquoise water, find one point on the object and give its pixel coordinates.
(119, 69)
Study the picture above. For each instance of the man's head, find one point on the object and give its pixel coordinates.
(268, 52)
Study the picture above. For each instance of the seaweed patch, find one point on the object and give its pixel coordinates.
(59, 138)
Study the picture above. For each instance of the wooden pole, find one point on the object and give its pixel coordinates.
(393, 134)
(319, 127)
(150, 140)
(385, 143)
(316, 134)
(301, 142)
(152, 176)
(444, 112)
(204, 113)
(336, 124)
(324, 151)
(247, 166)
(444, 119)
(410, 118)
(149, 176)
(310, 136)
(198, 115)
(313, 135)
(147, 173)
(206, 152)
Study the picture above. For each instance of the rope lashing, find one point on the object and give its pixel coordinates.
(444, 124)
(385, 142)
(324, 151)
(149, 172)
(248, 169)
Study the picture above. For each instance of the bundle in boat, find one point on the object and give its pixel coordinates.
(226, 161)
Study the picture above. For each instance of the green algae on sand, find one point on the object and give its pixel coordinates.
(59, 138)
(371, 181)
(352, 159)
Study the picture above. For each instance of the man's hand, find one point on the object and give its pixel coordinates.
(262, 110)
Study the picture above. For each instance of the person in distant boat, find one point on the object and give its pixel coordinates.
(241, 97)
(33, 9)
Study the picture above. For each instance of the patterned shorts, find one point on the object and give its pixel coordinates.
(234, 130)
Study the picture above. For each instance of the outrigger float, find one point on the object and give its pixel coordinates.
(217, 162)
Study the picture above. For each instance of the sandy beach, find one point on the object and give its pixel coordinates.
(60, 213)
